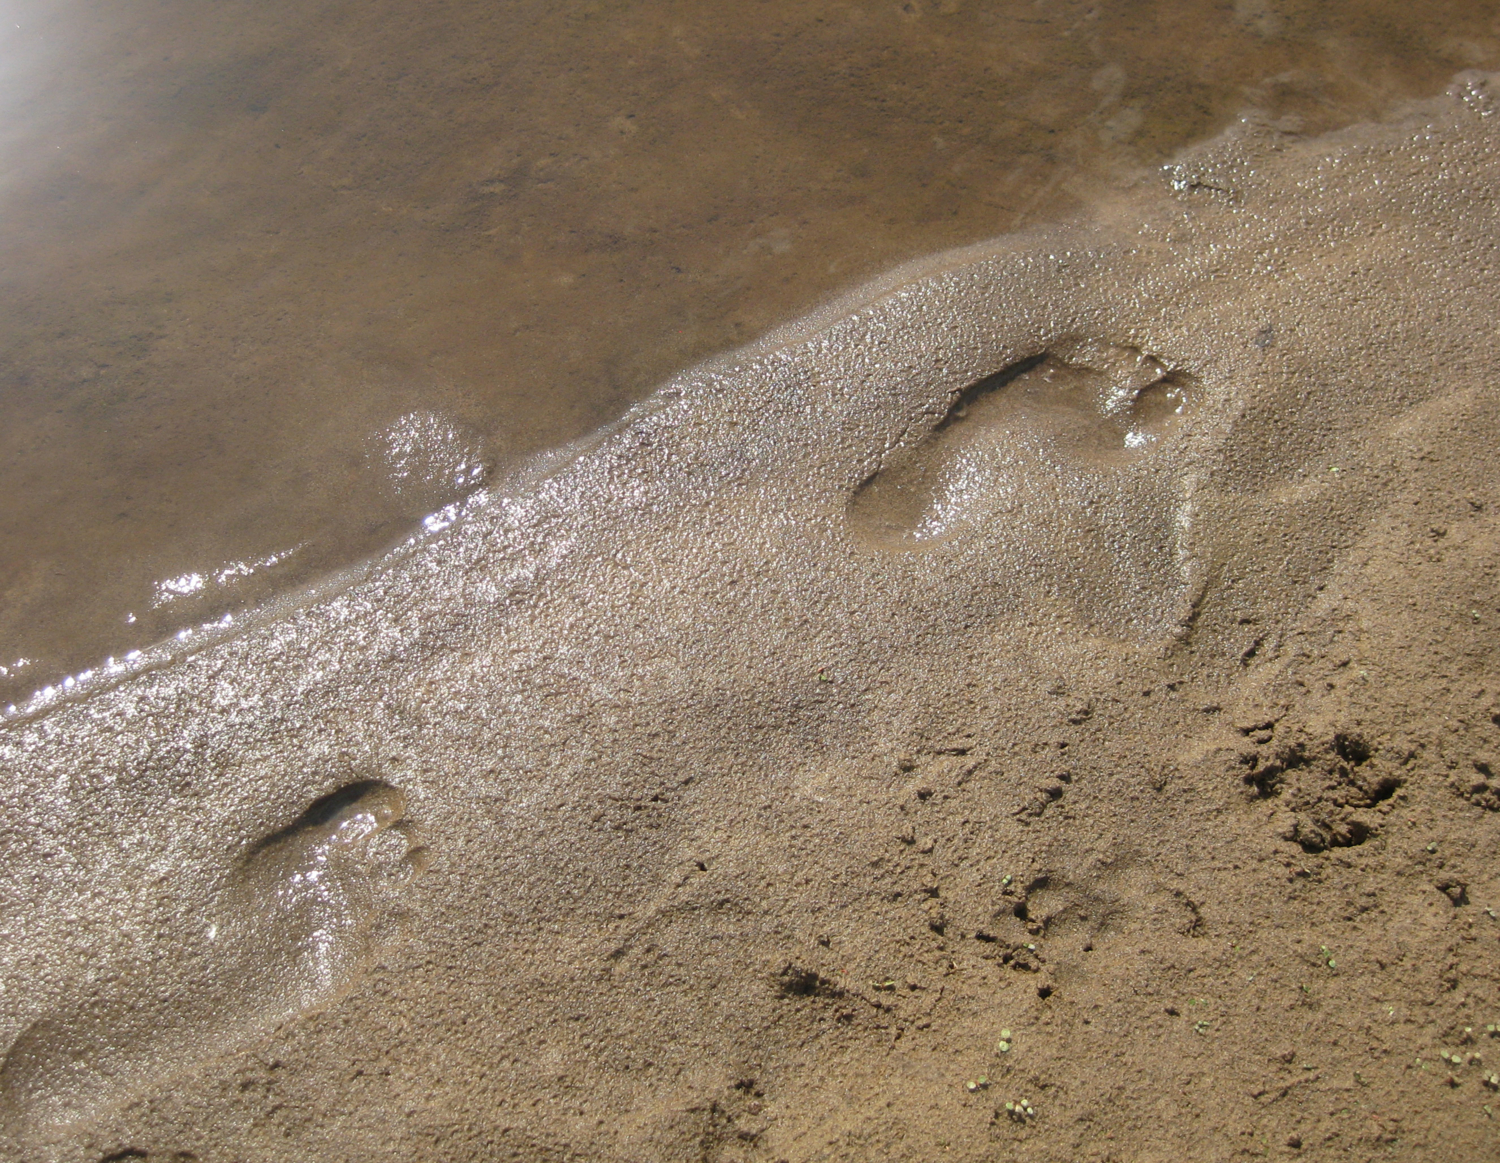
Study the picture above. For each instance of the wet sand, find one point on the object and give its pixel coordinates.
(1041, 703)
(244, 242)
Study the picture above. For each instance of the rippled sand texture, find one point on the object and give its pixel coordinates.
(662, 728)
(245, 239)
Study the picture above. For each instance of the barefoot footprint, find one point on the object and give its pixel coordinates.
(292, 931)
(1032, 436)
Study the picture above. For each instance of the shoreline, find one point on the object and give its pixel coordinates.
(666, 817)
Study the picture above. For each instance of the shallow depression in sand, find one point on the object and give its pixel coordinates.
(1022, 442)
(289, 933)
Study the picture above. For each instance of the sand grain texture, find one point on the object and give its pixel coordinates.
(686, 819)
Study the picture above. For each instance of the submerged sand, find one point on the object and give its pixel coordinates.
(1043, 704)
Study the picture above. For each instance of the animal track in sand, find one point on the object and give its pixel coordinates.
(291, 932)
(1026, 438)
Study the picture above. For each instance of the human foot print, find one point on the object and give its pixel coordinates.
(1068, 475)
(292, 931)
(1019, 438)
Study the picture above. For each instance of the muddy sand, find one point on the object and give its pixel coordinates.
(1042, 706)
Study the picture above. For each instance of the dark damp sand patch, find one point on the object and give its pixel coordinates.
(242, 239)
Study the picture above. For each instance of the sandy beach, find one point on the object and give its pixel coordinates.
(1040, 705)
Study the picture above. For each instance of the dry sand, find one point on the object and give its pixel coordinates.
(1082, 642)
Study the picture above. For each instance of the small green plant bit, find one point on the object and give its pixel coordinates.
(1003, 1046)
(980, 1083)
(1020, 1112)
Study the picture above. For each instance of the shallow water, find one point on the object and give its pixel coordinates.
(278, 279)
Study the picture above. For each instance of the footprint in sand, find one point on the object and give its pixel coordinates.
(1035, 437)
(293, 929)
